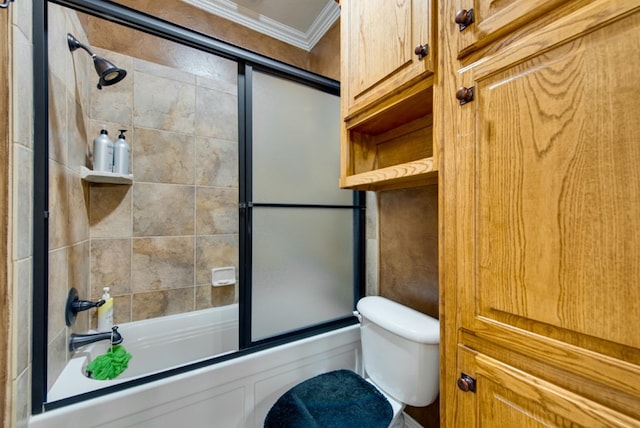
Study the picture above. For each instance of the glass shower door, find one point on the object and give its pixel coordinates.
(302, 232)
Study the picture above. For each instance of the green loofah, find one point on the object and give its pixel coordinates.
(109, 365)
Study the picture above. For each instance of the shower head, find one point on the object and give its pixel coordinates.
(108, 72)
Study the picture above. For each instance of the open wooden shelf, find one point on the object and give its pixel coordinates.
(391, 145)
(408, 174)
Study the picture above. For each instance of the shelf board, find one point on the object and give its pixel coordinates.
(104, 177)
(409, 174)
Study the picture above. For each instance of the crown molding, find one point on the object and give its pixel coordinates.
(304, 40)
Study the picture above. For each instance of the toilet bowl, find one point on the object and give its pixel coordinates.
(397, 420)
(400, 348)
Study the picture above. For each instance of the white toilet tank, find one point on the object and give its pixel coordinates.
(400, 348)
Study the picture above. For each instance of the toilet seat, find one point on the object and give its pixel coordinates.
(339, 398)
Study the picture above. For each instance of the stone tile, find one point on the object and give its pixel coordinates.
(22, 90)
(78, 278)
(22, 396)
(78, 141)
(161, 303)
(216, 115)
(209, 297)
(162, 263)
(81, 72)
(21, 17)
(22, 316)
(110, 212)
(78, 214)
(110, 266)
(121, 309)
(23, 202)
(162, 103)
(57, 43)
(372, 283)
(213, 252)
(223, 78)
(216, 163)
(163, 210)
(58, 205)
(216, 211)
(57, 119)
(372, 215)
(56, 356)
(58, 290)
(163, 157)
(113, 103)
(159, 70)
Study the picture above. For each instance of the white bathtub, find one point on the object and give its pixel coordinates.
(234, 393)
(155, 345)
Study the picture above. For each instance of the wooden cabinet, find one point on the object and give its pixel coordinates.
(481, 22)
(540, 231)
(387, 77)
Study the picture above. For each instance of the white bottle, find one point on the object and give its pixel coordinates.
(103, 152)
(121, 153)
(105, 312)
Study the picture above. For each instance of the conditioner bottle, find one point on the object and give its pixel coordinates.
(121, 153)
(105, 312)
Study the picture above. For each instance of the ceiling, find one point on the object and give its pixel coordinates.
(300, 23)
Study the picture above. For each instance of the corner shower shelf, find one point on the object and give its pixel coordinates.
(104, 177)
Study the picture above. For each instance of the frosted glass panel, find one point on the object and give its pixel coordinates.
(296, 143)
(302, 270)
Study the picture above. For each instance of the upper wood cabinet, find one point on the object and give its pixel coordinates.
(541, 221)
(481, 22)
(387, 67)
(386, 45)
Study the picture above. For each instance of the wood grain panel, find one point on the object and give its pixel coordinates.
(540, 225)
(378, 42)
(493, 19)
(518, 399)
(554, 246)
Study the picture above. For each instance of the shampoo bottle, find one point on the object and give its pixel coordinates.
(105, 312)
(121, 152)
(103, 152)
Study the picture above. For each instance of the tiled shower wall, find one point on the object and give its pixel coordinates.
(155, 241)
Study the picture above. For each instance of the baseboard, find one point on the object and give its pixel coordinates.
(409, 422)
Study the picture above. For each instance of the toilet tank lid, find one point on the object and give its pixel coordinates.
(400, 320)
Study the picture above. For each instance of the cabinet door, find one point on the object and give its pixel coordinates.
(379, 39)
(481, 22)
(548, 220)
(505, 396)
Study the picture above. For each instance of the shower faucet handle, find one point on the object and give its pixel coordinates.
(75, 305)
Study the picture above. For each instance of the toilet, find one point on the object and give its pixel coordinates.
(400, 348)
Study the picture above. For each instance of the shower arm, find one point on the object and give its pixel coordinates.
(75, 44)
